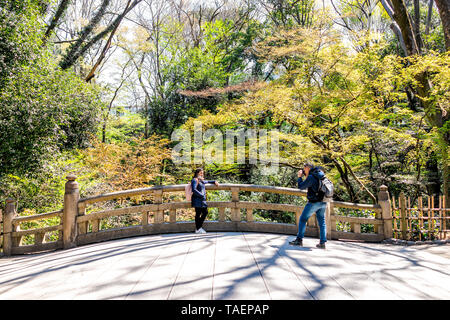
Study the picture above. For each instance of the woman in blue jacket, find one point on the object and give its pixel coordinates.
(199, 199)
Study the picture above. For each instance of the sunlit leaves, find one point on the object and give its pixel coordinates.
(330, 102)
(128, 165)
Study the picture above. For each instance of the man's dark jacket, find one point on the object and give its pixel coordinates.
(198, 199)
(312, 184)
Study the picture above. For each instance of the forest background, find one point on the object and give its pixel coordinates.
(96, 88)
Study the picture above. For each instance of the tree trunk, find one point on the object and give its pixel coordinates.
(417, 25)
(444, 12)
(401, 16)
(394, 26)
(398, 33)
(430, 13)
(446, 176)
(146, 131)
(435, 115)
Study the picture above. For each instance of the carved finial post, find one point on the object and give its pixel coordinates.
(386, 211)
(8, 216)
(71, 197)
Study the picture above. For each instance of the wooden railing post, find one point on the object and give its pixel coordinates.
(9, 215)
(386, 211)
(172, 215)
(328, 217)
(95, 225)
(70, 212)
(1, 227)
(235, 212)
(144, 218)
(83, 226)
(16, 241)
(249, 215)
(221, 214)
(403, 214)
(332, 218)
(298, 213)
(159, 215)
(39, 237)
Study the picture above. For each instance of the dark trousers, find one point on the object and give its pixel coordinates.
(200, 216)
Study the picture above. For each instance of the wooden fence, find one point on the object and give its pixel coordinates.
(76, 225)
(423, 220)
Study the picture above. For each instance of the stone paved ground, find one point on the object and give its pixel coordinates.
(231, 265)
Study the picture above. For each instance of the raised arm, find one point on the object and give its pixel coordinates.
(305, 184)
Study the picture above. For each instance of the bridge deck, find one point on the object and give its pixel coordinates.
(221, 265)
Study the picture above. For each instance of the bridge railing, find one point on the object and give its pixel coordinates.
(80, 226)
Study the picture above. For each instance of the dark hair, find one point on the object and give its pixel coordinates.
(197, 171)
(321, 168)
(308, 164)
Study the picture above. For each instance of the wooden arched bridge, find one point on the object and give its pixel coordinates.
(78, 228)
(239, 257)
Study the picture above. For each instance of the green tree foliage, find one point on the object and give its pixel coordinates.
(43, 110)
(219, 60)
(18, 40)
(350, 101)
(291, 13)
(347, 111)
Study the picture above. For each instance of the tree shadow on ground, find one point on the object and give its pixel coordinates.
(317, 273)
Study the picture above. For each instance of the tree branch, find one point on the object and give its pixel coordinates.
(357, 180)
(76, 52)
(105, 49)
(62, 8)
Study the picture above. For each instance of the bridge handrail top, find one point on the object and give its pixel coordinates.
(360, 206)
(222, 186)
(180, 187)
(47, 215)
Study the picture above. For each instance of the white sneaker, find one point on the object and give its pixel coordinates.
(202, 230)
(198, 231)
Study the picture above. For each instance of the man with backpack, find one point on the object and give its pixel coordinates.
(318, 187)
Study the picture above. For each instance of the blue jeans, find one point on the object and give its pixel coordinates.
(319, 209)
